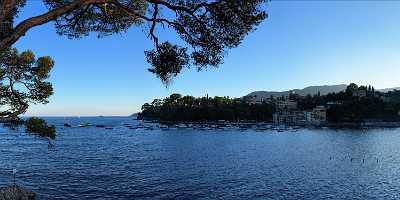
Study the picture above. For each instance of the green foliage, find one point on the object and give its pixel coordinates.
(187, 108)
(23, 81)
(207, 28)
(39, 127)
(104, 19)
(342, 107)
(348, 107)
(167, 61)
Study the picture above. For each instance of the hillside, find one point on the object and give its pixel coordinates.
(312, 90)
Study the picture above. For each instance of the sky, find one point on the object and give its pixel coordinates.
(302, 43)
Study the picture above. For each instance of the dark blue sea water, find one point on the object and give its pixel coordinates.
(96, 163)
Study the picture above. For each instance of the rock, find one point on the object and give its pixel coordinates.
(16, 193)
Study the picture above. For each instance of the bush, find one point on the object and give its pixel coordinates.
(39, 127)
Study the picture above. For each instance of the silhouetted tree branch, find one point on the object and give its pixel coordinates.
(207, 27)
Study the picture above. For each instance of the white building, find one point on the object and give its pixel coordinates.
(286, 105)
(319, 114)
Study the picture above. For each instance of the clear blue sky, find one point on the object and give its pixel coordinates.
(300, 44)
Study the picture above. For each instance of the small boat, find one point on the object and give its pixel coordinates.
(67, 125)
(163, 127)
(181, 126)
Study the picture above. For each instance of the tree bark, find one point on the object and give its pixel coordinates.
(27, 24)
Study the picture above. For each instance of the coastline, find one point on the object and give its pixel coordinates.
(334, 125)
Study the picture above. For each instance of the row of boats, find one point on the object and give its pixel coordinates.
(209, 127)
(195, 126)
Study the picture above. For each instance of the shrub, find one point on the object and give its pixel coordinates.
(39, 127)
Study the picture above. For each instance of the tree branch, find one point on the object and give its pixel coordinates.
(153, 26)
(26, 25)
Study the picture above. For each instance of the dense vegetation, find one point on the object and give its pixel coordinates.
(187, 108)
(355, 104)
(347, 106)
(23, 81)
(39, 127)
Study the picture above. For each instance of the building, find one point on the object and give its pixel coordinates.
(360, 93)
(286, 105)
(294, 117)
(289, 117)
(257, 100)
(308, 116)
(334, 103)
(251, 100)
(319, 114)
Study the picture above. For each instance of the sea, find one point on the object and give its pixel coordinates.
(128, 159)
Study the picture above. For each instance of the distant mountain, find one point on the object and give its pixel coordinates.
(312, 90)
(389, 89)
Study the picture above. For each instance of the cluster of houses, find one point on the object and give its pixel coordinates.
(287, 112)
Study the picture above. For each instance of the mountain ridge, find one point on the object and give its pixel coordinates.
(312, 90)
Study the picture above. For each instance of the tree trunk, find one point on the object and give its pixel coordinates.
(27, 24)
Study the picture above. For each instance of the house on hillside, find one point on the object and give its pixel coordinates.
(286, 105)
(319, 114)
(360, 93)
(315, 116)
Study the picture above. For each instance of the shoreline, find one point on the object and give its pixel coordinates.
(335, 125)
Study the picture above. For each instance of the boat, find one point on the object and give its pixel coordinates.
(163, 126)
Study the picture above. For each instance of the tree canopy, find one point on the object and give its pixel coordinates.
(208, 27)
(23, 81)
(188, 108)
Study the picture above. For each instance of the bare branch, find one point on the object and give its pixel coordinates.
(153, 26)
